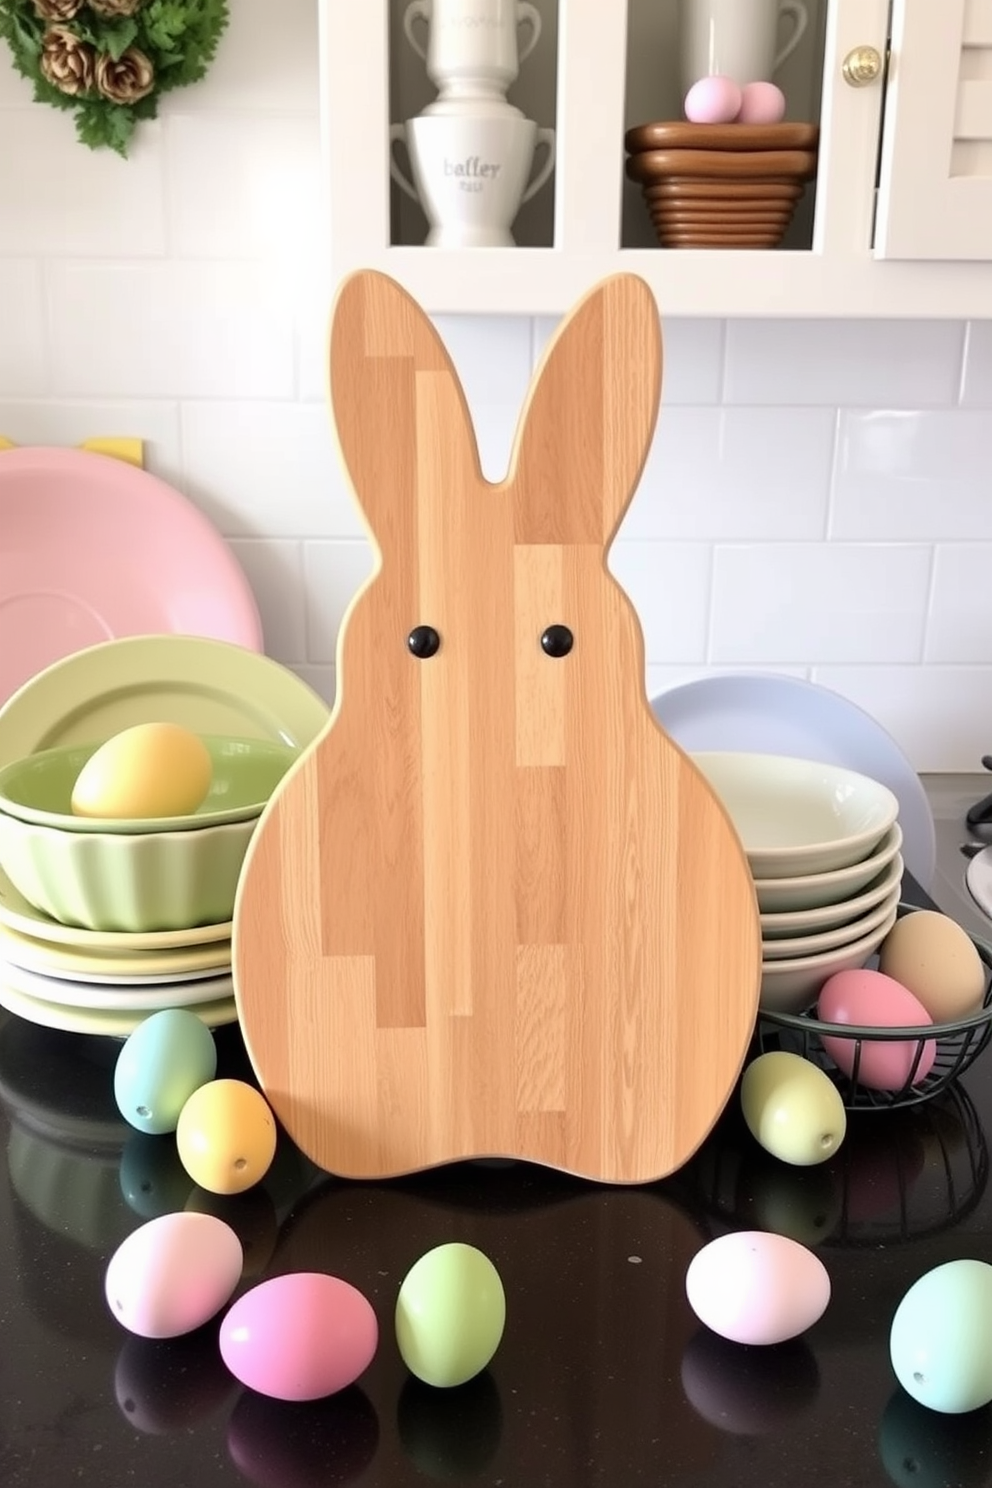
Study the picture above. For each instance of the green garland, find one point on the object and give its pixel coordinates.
(109, 61)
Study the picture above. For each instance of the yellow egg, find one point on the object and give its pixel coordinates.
(226, 1136)
(153, 769)
(930, 954)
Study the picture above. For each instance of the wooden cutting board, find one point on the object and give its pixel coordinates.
(494, 910)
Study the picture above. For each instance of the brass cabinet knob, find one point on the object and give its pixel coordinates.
(862, 66)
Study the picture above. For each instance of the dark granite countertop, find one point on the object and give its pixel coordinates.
(604, 1376)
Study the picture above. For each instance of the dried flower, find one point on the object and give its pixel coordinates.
(66, 61)
(58, 10)
(131, 77)
(114, 7)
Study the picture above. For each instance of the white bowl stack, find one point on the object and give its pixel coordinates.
(823, 845)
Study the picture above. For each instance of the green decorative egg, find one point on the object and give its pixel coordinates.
(450, 1314)
(792, 1108)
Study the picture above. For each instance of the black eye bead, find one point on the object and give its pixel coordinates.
(557, 641)
(423, 641)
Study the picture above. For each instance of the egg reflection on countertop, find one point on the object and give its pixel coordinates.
(149, 770)
(930, 955)
(922, 1448)
(749, 1391)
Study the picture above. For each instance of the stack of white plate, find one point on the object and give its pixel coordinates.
(106, 982)
(823, 846)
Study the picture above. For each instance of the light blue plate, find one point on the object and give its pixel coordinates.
(772, 714)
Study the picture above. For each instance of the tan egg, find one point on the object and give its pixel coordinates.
(152, 769)
(929, 953)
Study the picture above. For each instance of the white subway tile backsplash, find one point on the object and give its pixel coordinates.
(692, 357)
(735, 473)
(959, 628)
(334, 573)
(70, 423)
(243, 186)
(175, 329)
(669, 587)
(940, 716)
(114, 207)
(256, 69)
(264, 469)
(913, 476)
(15, 91)
(879, 364)
(808, 603)
(976, 386)
(23, 362)
(274, 569)
(492, 357)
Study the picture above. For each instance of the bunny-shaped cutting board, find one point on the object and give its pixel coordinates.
(494, 910)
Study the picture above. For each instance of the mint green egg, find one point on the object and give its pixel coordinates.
(941, 1338)
(450, 1314)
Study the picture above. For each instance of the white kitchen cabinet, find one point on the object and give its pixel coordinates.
(935, 183)
(897, 224)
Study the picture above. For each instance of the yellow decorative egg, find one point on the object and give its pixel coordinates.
(152, 769)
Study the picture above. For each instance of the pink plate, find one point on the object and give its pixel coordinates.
(92, 548)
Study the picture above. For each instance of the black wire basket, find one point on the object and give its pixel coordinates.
(958, 1046)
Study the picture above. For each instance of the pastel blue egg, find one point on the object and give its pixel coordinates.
(166, 1058)
(941, 1338)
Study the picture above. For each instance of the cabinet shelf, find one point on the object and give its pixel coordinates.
(842, 273)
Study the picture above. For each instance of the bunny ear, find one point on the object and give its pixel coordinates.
(588, 423)
(394, 394)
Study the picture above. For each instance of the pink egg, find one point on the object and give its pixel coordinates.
(870, 998)
(299, 1336)
(713, 100)
(761, 103)
(755, 1287)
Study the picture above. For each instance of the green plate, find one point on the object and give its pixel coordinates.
(245, 772)
(211, 687)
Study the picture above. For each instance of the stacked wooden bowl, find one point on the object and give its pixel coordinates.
(721, 185)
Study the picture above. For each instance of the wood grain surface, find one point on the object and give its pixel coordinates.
(679, 134)
(722, 165)
(494, 910)
(683, 188)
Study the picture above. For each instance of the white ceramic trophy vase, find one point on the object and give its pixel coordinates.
(472, 164)
(473, 49)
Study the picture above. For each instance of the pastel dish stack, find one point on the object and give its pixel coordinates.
(132, 778)
(823, 844)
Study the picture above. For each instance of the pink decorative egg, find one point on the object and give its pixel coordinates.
(755, 1287)
(173, 1274)
(870, 998)
(713, 100)
(299, 1336)
(761, 103)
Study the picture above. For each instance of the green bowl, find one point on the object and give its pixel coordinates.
(127, 881)
(38, 789)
